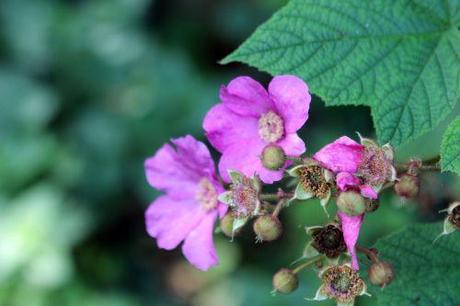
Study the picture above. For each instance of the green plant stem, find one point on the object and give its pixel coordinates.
(279, 206)
(307, 263)
(371, 254)
(269, 196)
(296, 160)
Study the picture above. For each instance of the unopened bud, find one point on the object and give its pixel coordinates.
(273, 157)
(380, 273)
(285, 281)
(268, 228)
(226, 225)
(407, 186)
(351, 203)
(372, 205)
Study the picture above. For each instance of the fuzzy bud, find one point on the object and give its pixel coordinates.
(351, 203)
(285, 281)
(407, 186)
(273, 157)
(226, 225)
(380, 273)
(267, 228)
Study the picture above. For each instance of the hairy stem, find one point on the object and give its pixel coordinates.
(369, 252)
(308, 263)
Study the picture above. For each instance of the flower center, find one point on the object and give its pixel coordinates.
(246, 198)
(206, 195)
(312, 179)
(375, 167)
(271, 127)
(342, 283)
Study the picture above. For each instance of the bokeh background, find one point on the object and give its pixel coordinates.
(88, 90)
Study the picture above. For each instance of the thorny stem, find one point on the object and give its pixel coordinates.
(369, 252)
(308, 263)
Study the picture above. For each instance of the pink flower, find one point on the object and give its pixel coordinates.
(344, 157)
(188, 210)
(249, 118)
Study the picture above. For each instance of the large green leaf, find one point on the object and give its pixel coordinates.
(427, 273)
(400, 57)
(450, 147)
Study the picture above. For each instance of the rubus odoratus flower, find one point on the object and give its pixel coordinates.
(242, 198)
(189, 208)
(249, 118)
(341, 283)
(327, 240)
(314, 181)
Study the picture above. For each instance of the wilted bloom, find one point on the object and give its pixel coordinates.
(242, 197)
(341, 283)
(365, 166)
(250, 118)
(189, 208)
(314, 181)
(327, 240)
(362, 167)
(452, 221)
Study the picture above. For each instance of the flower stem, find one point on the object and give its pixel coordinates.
(269, 196)
(296, 160)
(369, 252)
(279, 206)
(308, 263)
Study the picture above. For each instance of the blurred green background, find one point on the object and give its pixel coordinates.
(88, 90)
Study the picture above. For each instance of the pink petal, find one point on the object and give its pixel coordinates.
(246, 97)
(292, 100)
(170, 220)
(246, 159)
(224, 128)
(368, 192)
(199, 247)
(178, 171)
(343, 155)
(350, 228)
(292, 145)
(345, 180)
(222, 208)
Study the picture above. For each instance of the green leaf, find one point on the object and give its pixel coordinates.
(426, 273)
(450, 147)
(400, 57)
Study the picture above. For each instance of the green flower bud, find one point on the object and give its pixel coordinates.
(380, 273)
(407, 186)
(268, 228)
(226, 225)
(273, 157)
(285, 281)
(351, 203)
